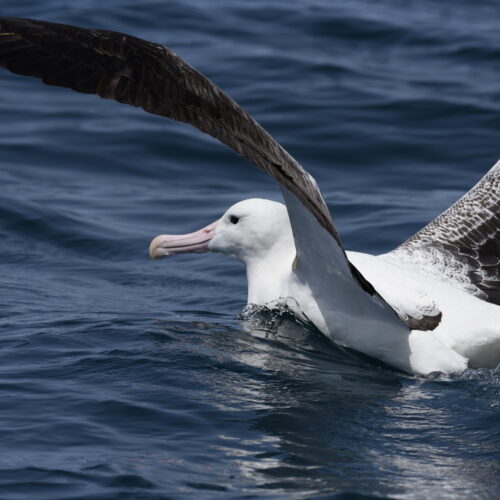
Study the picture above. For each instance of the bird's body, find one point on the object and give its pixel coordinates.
(468, 332)
(469, 326)
(432, 304)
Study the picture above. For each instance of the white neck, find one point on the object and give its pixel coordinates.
(268, 277)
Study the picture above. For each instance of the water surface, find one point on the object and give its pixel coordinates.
(126, 378)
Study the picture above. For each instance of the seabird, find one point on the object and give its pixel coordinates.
(429, 305)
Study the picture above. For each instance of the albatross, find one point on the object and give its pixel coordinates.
(430, 305)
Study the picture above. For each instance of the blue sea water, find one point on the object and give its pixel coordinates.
(126, 378)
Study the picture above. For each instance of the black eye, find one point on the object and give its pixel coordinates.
(234, 219)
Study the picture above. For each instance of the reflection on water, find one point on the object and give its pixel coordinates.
(318, 411)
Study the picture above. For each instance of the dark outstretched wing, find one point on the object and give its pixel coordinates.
(463, 243)
(133, 71)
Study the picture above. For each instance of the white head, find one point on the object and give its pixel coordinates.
(249, 230)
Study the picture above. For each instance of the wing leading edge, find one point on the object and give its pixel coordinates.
(133, 71)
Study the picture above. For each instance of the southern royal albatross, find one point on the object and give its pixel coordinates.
(432, 304)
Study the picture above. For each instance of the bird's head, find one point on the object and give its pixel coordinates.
(248, 230)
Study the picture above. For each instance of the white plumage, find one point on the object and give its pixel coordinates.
(289, 255)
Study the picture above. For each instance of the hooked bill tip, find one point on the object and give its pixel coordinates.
(153, 247)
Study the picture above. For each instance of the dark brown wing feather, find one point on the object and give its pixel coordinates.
(463, 243)
(133, 71)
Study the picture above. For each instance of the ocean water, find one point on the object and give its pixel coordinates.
(126, 378)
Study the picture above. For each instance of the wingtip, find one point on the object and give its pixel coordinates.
(426, 323)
